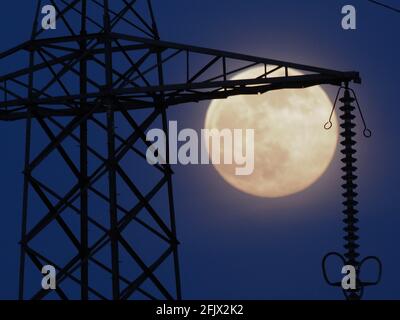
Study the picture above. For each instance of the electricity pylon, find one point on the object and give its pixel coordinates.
(93, 87)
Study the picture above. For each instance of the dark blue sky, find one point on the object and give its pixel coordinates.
(235, 246)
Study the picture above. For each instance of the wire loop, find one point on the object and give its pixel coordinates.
(366, 132)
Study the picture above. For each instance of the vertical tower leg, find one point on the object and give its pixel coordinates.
(25, 201)
(83, 165)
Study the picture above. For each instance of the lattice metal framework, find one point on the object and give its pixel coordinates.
(91, 89)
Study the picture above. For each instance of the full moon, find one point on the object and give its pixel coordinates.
(292, 150)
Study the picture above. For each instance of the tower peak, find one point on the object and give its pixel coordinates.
(133, 17)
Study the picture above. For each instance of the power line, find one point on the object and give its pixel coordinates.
(385, 6)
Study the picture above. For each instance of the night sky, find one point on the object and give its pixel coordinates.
(233, 245)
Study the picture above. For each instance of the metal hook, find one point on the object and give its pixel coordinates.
(329, 124)
(366, 132)
(379, 277)
(324, 269)
(361, 285)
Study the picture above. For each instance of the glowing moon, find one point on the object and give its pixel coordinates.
(292, 149)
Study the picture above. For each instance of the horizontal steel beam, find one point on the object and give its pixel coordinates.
(236, 87)
(151, 43)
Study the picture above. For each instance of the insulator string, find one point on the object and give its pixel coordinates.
(349, 185)
(351, 254)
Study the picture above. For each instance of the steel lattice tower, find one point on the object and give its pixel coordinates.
(92, 88)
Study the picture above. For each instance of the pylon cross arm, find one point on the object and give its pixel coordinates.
(199, 74)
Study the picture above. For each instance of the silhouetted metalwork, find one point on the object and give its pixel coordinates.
(99, 82)
(351, 255)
